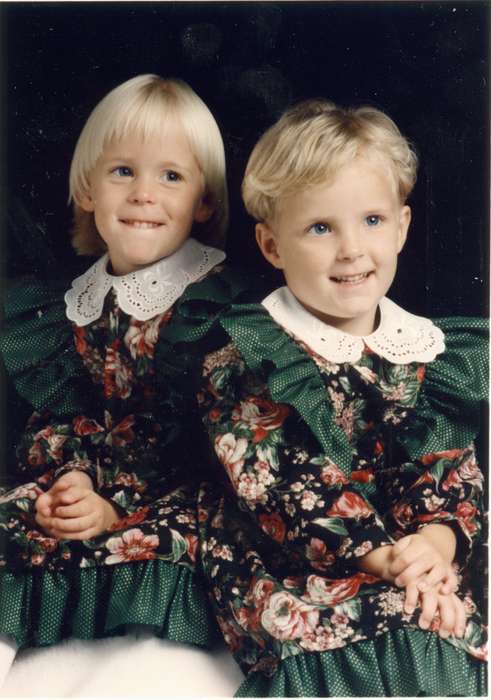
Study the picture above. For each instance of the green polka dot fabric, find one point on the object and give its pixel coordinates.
(446, 416)
(42, 608)
(401, 663)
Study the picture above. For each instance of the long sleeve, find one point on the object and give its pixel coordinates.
(442, 482)
(446, 488)
(295, 492)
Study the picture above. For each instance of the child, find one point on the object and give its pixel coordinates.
(100, 531)
(344, 425)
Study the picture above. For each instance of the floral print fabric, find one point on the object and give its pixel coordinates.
(130, 446)
(280, 540)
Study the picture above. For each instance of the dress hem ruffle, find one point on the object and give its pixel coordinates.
(42, 607)
(400, 663)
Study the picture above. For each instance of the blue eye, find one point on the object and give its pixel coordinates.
(373, 220)
(172, 176)
(122, 171)
(319, 229)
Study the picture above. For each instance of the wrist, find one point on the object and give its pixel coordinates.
(377, 563)
(443, 539)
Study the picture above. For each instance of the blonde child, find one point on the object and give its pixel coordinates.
(100, 532)
(344, 425)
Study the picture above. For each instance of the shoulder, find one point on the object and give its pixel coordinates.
(37, 345)
(463, 366)
(450, 408)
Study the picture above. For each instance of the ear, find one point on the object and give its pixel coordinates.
(85, 201)
(404, 221)
(267, 242)
(203, 212)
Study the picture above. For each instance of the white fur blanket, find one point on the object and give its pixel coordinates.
(138, 665)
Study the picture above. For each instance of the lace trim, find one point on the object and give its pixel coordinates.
(144, 293)
(401, 337)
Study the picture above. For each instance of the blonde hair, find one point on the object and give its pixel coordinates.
(142, 105)
(311, 141)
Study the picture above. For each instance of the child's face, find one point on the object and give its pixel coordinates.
(337, 244)
(145, 196)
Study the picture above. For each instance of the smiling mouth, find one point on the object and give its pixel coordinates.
(351, 279)
(136, 223)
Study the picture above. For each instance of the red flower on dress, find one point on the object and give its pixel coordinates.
(80, 342)
(363, 476)
(325, 591)
(122, 433)
(192, 546)
(273, 525)
(133, 519)
(133, 545)
(350, 505)
(86, 426)
(435, 456)
(466, 514)
(331, 474)
(318, 554)
(260, 415)
(141, 336)
(36, 455)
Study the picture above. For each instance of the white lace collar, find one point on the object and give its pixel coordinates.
(144, 293)
(400, 337)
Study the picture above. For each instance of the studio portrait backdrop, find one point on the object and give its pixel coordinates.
(424, 63)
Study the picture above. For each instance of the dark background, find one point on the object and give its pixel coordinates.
(425, 63)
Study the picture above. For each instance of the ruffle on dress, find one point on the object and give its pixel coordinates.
(39, 352)
(41, 607)
(446, 415)
(401, 663)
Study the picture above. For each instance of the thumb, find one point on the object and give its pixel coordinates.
(44, 504)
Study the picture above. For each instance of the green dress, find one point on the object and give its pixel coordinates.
(108, 400)
(322, 461)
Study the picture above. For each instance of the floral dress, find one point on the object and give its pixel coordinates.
(113, 384)
(322, 461)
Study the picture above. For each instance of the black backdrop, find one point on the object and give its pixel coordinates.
(425, 63)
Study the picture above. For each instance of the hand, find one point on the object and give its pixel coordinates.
(418, 566)
(448, 608)
(71, 510)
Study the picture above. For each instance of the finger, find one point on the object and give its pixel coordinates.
(43, 504)
(72, 495)
(401, 545)
(446, 609)
(75, 510)
(460, 617)
(414, 571)
(411, 555)
(436, 574)
(72, 525)
(45, 526)
(86, 534)
(450, 582)
(429, 605)
(412, 595)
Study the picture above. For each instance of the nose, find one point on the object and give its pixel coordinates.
(142, 191)
(350, 245)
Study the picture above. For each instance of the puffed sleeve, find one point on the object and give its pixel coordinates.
(38, 348)
(39, 353)
(293, 480)
(443, 483)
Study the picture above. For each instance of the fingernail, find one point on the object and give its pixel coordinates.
(443, 634)
(424, 624)
(422, 586)
(409, 609)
